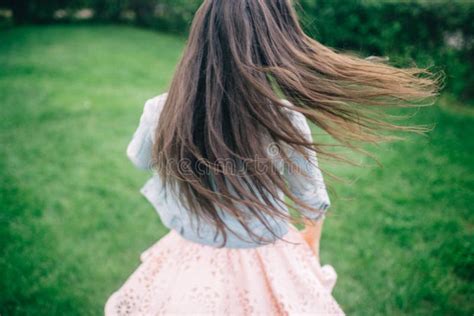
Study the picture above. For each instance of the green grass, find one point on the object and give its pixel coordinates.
(73, 222)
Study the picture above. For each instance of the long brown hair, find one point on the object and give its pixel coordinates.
(241, 59)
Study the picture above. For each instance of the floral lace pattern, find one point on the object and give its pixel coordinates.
(179, 277)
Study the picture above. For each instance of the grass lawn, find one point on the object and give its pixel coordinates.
(73, 222)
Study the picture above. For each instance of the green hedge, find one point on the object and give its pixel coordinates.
(429, 33)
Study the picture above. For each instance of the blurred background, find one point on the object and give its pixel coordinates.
(74, 76)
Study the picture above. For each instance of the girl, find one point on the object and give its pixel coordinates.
(230, 147)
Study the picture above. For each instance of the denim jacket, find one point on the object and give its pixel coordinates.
(173, 214)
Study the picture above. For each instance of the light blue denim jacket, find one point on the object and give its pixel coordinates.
(173, 214)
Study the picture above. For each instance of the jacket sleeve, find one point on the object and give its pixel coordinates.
(139, 150)
(308, 185)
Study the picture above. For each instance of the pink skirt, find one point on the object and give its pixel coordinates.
(180, 277)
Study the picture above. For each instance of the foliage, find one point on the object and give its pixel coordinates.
(437, 33)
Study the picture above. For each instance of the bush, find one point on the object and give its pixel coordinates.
(34, 11)
(167, 15)
(109, 10)
(439, 33)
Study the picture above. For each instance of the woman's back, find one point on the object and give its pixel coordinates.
(308, 185)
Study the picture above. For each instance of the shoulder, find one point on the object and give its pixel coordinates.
(154, 106)
(158, 100)
(297, 118)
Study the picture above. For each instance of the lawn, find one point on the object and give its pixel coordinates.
(73, 222)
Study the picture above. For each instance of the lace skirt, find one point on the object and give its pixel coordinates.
(180, 277)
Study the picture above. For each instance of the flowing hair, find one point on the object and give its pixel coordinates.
(225, 105)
